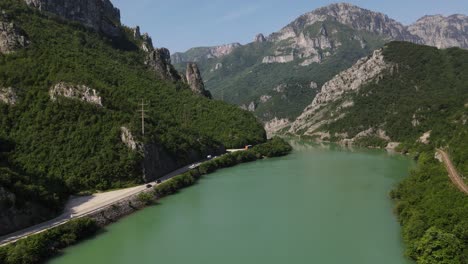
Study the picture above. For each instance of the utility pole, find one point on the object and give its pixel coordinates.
(143, 111)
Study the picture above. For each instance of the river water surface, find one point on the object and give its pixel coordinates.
(321, 204)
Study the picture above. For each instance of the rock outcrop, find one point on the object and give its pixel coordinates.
(159, 60)
(364, 71)
(350, 15)
(127, 138)
(78, 92)
(11, 37)
(99, 15)
(442, 32)
(204, 53)
(275, 125)
(145, 39)
(260, 38)
(8, 96)
(195, 81)
(278, 59)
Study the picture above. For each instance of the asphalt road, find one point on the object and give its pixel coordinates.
(78, 207)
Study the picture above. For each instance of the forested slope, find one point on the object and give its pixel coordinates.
(62, 145)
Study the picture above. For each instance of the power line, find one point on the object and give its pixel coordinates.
(143, 111)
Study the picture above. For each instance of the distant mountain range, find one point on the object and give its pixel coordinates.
(277, 76)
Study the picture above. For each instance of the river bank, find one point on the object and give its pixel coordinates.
(322, 204)
(36, 248)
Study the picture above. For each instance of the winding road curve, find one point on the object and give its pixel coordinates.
(78, 207)
(453, 173)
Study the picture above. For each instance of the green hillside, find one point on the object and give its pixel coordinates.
(243, 78)
(427, 90)
(68, 146)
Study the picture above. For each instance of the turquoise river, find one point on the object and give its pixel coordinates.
(321, 204)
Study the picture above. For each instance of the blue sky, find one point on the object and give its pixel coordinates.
(182, 24)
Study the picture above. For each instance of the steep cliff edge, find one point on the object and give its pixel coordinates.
(195, 81)
(99, 15)
(402, 93)
(364, 71)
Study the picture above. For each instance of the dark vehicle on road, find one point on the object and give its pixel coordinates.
(158, 181)
(149, 185)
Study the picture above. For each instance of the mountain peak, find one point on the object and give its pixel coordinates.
(350, 15)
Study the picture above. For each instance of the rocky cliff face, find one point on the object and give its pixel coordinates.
(78, 92)
(159, 60)
(442, 32)
(364, 71)
(204, 53)
(145, 39)
(99, 15)
(11, 37)
(350, 15)
(315, 47)
(260, 38)
(195, 81)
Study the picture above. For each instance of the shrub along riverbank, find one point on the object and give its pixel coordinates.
(275, 147)
(433, 214)
(37, 248)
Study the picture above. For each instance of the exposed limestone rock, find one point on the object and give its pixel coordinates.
(145, 39)
(11, 38)
(159, 60)
(438, 157)
(204, 53)
(313, 85)
(265, 98)
(136, 32)
(442, 32)
(425, 138)
(371, 132)
(99, 15)
(250, 107)
(280, 88)
(315, 59)
(147, 43)
(415, 122)
(278, 59)
(8, 96)
(275, 125)
(363, 72)
(127, 138)
(195, 81)
(350, 15)
(218, 66)
(391, 146)
(260, 38)
(223, 50)
(79, 92)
